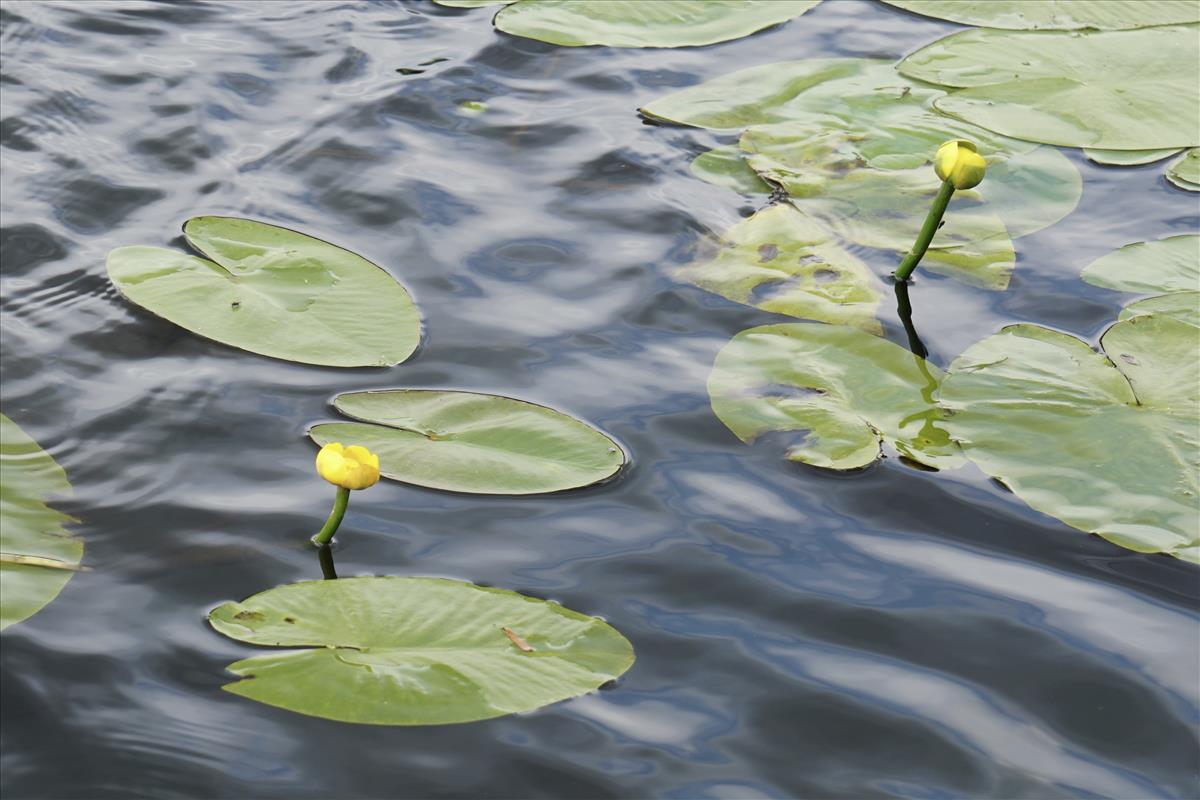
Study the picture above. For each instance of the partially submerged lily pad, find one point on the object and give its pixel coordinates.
(1183, 306)
(847, 390)
(475, 443)
(1063, 15)
(726, 166)
(1119, 90)
(1109, 445)
(1165, 265)
(37, 555)
(273, 291)
(782, 261)
(638, 23)
(1184, 171)
(415, 651)
(1128, 158)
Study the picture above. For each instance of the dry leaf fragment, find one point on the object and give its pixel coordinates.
(517, 640)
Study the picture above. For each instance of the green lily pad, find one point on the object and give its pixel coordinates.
(1184, 171)
(1118, 90)
(850, 391)
(415, 651)
(1128, 158)
(273, 291)
(1164, 265)
(725, 166)
(1183, 306)
(637, 23)
(475, 443)
(473, 3)
(37, 555)
(1062, 15)
(1107, 443)
(782, 261)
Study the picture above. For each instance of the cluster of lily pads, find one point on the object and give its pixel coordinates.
(1107, 442)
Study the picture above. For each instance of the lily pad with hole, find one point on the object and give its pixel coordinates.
(415, 651)
(273, 291)
(1184, 171)
(1117, 90)
(1128, 158)
(782, 261)
(1164, 265)
(846, 391)
(1108, 443)
(1062, 15)
(474, 443)
(637, 23)
(37, 555)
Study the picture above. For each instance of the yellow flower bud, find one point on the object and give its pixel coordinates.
(958, 162)
(353, 467)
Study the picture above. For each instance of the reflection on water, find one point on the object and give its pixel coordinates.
(799, 634)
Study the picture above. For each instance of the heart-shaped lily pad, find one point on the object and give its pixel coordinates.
(1165, 265)
(782, 261)
(1108, 443)
(638, 23)
(416, 651)
(850, 391)
(273, 291)
(1118, 90)
(475, 443)
(37, 555)
(1184, 171)
(1063, 15)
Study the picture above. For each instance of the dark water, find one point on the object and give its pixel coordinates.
(886, 634)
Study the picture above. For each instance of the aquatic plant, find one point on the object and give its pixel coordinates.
(959, 166)
(348, 468)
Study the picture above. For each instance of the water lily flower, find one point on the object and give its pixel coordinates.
(348, 468)
(959, 163)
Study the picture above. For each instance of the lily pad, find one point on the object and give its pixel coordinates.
(1184, 171)
(848, 390)
(1128, 158)
(473, 3)
(1063, 15)
(37, 555)
(474, 443)
(1108, 443)
(1183, 306)
(1118, 90)
(637, 23)
(415, 651)
(726, 166)
(782, 261)
(273, 291)
(1164, 265)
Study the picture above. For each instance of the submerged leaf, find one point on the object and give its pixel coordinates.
(638, 23)
(1128, 158)
(1164, 265)
(779, 260)
(273, 291)
(1184, 171)
(1063, 15)
(1109, 445)
(415, 651)
(476, 443)
(1121, 90)
(726, 166)
(847, 390)
(37, 555)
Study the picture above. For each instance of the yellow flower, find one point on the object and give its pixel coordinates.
(353, 467)
(958, 162)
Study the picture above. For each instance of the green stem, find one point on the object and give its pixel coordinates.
(927, 231)
(335, 518)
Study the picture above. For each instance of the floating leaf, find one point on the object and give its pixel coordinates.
(1121, 90)
(1184, 171)
(473, 3)
(37, 555)
(637, 23)
(1128, 158)
(1183, 306)
(275, 292)
(415, 651)
(476, 443)
(1063, 15)
(1108, 445)
(850, 391)
(726, 166)
(1164, 265)
(781, 261)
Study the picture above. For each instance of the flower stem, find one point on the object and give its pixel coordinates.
(335, 518)
(927, 231)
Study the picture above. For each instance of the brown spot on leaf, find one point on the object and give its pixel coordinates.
(767, 252)
(257, 616)
(517, 640)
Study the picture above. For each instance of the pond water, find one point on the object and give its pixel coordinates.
(887, 633)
